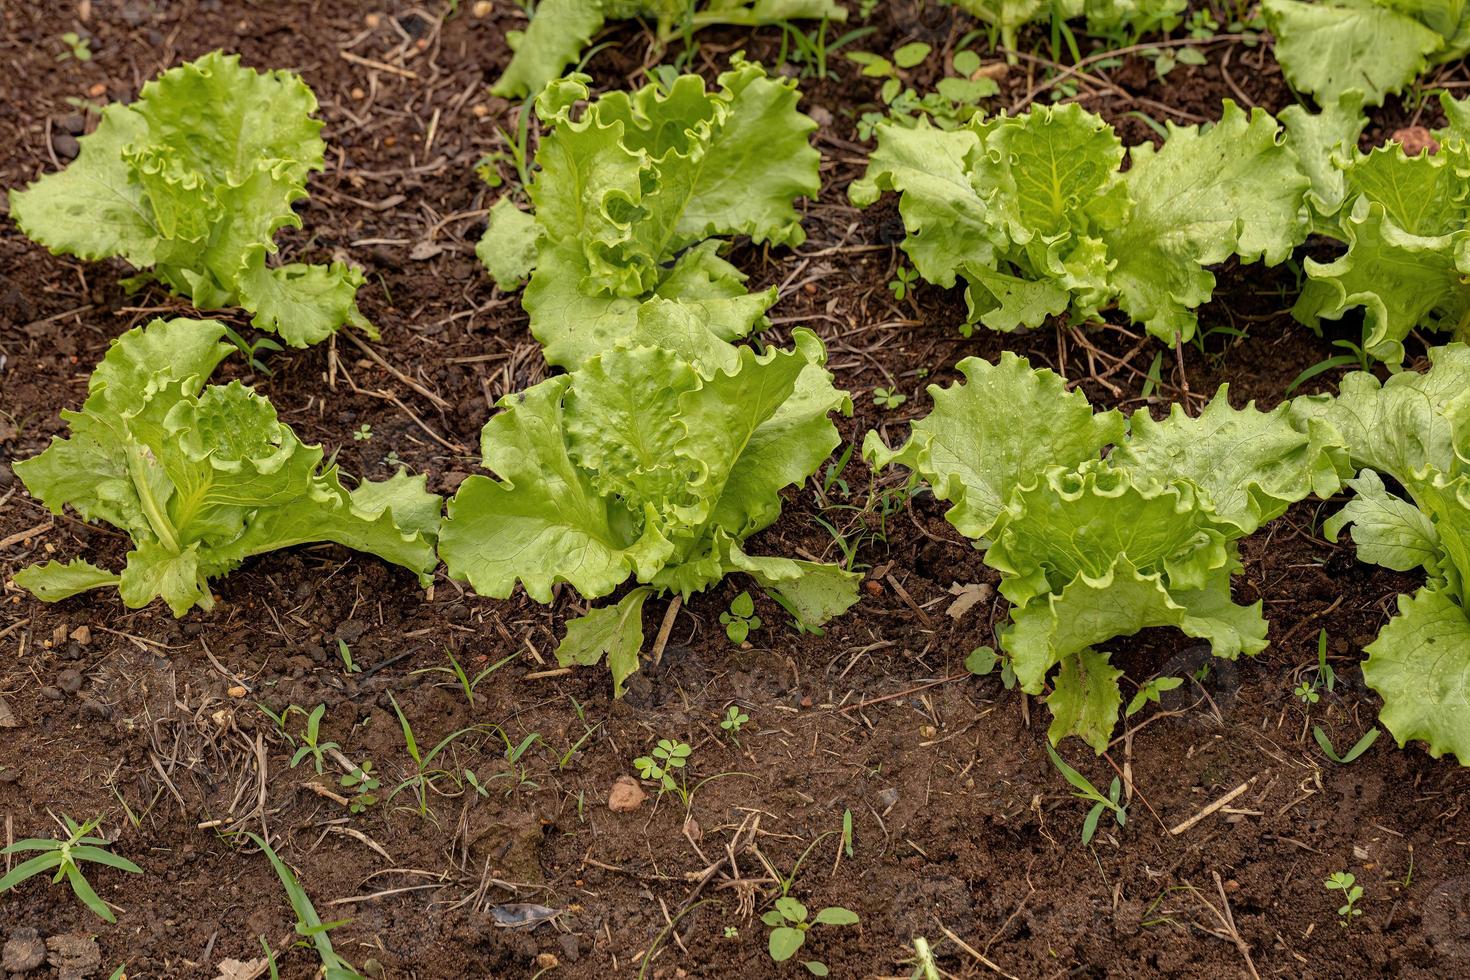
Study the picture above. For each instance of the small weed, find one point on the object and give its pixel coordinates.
(1152, 692)
(309, 925)
(309, 739)
(467, 684)
(902, 282)
(667, 758)
(789, 926)
(741, 618)
(345, 652)
(423, 778)
(1351, 755)
(733, 719)
(77, 47)
(364, 784)
(364, 433)
(1307, 691)
(251, 352)
(888, 398)
(1345, 882)
(1086, 791)
(65, 857)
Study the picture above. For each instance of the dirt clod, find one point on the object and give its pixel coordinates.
(73, 956)
(7, 715)
(24, 951)
(626, 795)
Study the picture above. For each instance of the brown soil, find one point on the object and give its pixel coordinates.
(963, 833)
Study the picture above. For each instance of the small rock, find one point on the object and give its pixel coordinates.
(547, 961)
(24, 952)
(626, 795)
(571, 950)
(65, 145)
(73, 122)
(10, 775)
(69, 680)
(52, 693)
(7, 717)
(372, 968)
(482, 8)
(73, 956)
(82, 634)
(1414, 139)
(237, 691)
(693, 830)
(888, 798)
(822, 115)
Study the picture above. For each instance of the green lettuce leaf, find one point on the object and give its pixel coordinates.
(1420, 665)
(1328, 48)
(191, 183)
(635, 196)
(647, 463)
(202, 478)
(560, 29)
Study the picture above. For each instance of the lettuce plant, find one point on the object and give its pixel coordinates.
(1402, 220)
(1132, 17)
(631, 195)
(1409, 438)
(561, 29)
(1091, 548)
(1330, 47)
(1035, 213)
(650, 464)
(191, 183)
(201, 478)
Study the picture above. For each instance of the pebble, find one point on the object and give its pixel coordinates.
(96, 709)
(52, 693)
(73, 122)
(65, 145)
(69, 680)
(7, 716)
(24, 952)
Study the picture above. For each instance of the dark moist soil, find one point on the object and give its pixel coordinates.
(962, 832)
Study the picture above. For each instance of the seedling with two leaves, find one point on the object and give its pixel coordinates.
(1346, 882)
(1086, 791)
(65, 857)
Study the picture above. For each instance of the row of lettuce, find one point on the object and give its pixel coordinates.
(665, 446)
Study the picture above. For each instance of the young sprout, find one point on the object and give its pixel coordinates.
(309, 745)
(1345, 882)
(789, 927)
(660, 765)
(741, 618)
(733, 719)
(888, 398)
(65, 857)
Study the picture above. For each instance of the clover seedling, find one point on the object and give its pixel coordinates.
(733, 719)
(65, 857)
(364, 784)
(741, 618)
(1345, 882)
(659, 766)
(903, 282)
(888, 398)
(789, 927)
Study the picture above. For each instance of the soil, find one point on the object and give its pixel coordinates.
(962, 831)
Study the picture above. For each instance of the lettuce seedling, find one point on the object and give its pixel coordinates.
(202, 478)
(1035, 213)
(632, 195)
(191, 183)
(652, 465)
(1090, 548)
(1408, 439)
(561, 29)
(1402, 219)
